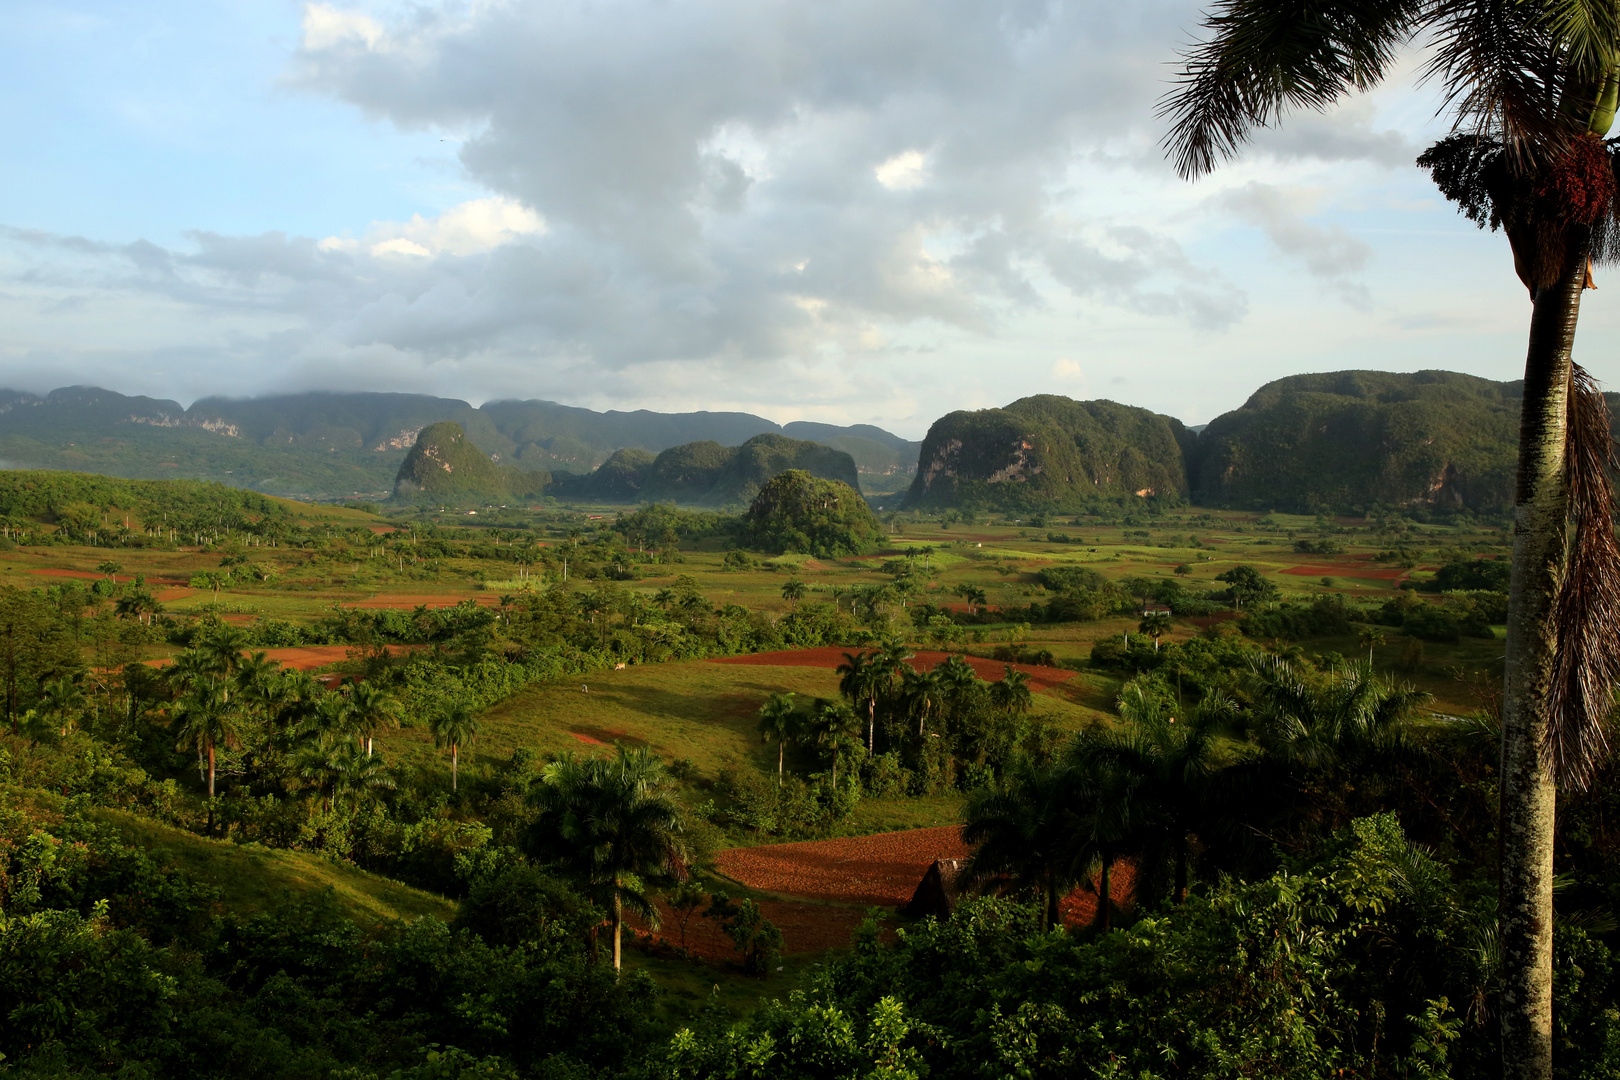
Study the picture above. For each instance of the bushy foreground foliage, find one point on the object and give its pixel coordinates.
(1363, 959)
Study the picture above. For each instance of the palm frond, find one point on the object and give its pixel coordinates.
(1587, 31)
(1501, 68)
(1587, 664)
(1263, 58)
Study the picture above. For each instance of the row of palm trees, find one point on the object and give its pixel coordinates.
(829, 724)
(883, 678)
(1219, 777)
(330, 734)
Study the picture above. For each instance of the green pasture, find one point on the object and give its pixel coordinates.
(252, 879)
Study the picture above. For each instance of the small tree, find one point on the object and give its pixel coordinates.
(793, 591)
(685, 899)
(1371, 638)
(751, 933)
(1247, 586)
(454, 728)
(1155, 624)
(778, 720)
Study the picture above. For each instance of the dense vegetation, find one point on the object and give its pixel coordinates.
(705, 472)
(444, 466)
(1359, 438)
(1290, 857)
(797, 511)
(1048, 452)
(338, 446)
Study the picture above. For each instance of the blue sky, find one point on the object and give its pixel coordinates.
(850, 212)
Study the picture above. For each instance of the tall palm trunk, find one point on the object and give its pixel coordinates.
(1528, 792)
(453, 762)
(210, 787)
(1105, 906)
(781, 752)
(618, 923)
(871, 725)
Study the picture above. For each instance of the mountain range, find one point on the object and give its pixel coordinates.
(1335, 441)
(344, 445)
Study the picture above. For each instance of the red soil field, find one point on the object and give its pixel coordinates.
(306, 657)
(806, 928)
(881, 869)
(1040, 678)
(846, 876)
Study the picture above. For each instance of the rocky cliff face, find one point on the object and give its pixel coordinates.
(1050, 452)
(445, 464)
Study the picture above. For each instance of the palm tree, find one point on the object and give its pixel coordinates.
(1167, 763)
(1346, 722)
(830, 723)
(778, 720)
(1026, 830)
(959, 679)
(862, 677)
(1155, 624)
(205, 718)
(342, 770)
(615, 825)
(372, 709)
(1012, 693)
(61, 698)
(1533, 88)
(455, 727)
(1372, 639)
(793, 592)
(923, 693)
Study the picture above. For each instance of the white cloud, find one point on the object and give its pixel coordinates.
(398, 246)
(466, 229)
(903, 172)
(860, 209)
(326, 27)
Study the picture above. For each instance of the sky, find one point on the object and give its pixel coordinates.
(851, 212)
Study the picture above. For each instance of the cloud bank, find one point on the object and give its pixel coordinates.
(806, 208)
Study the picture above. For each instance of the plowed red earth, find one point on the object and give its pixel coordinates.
(806, 928)
(880, 869)
(839, 879)
(307, 657)
(1040, 678)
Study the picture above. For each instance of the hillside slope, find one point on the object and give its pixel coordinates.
(252, 878)
(1352, 439)
(444, 464)
(706, 472)
(1049, 452)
